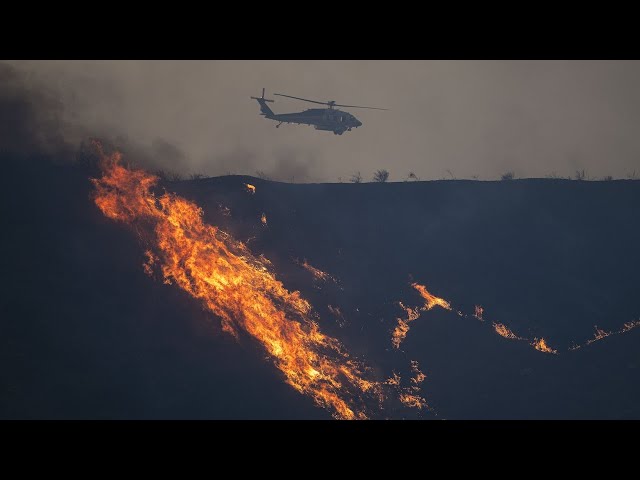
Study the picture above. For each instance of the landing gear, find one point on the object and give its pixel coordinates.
(278, 125)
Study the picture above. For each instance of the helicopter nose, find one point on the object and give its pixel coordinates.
(358, 123)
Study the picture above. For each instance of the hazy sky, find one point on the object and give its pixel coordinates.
(470, 117)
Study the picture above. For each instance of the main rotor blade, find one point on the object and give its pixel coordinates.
(358, 106)
(299, 98)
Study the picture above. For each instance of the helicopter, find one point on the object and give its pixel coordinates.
(329, 119)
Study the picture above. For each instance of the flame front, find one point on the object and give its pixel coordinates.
(402, 327)
(236, 286)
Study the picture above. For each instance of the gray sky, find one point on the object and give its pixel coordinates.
(470, 117)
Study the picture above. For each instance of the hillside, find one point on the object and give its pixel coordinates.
(86, 334)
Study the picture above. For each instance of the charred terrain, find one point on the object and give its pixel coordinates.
(87, 333)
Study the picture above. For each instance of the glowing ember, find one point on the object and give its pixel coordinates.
(236, 286)
(478, 313)
(263, 219)
(504, 331)
(599, 335)
(541, 345)
(250, 188)
(394, 380)
(418, 376)
(413, 401)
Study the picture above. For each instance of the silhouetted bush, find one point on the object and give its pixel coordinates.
(413, 176)
(508, 176)
(580, 175)
(608, 178)
(381, 176)
(356, 178)
(196, 176)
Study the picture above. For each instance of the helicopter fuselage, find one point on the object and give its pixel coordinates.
(329, 119)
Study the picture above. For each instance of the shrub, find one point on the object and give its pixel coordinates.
(608, 178)
(381, 176)
(508, 176)
(580, 175)
(356, 178)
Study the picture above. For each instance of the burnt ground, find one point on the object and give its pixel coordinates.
(86, 334)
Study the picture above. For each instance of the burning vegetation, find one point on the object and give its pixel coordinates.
(402, 326)
(235, 286)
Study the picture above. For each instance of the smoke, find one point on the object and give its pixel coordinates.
(472, 118)
(36, 118)
(30, 117)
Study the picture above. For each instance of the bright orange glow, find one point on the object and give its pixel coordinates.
(250, 188)
(402, 327)
(263, 219)
(478, 313)
(504, 331)
(541, 345)
(235, 286)
(430, 300)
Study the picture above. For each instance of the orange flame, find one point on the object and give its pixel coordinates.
(413, 401)
(600, 334)
(504, 331)
(263, 219)
(394, 380)
(250, 188)
(430, 300)
(541, 345)
(418, 376)
(402, 328)
(409, 396)
(236, 286)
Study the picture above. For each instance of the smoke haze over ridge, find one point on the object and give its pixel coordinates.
(470, 117)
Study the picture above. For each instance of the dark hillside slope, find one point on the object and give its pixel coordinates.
(85, 334)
